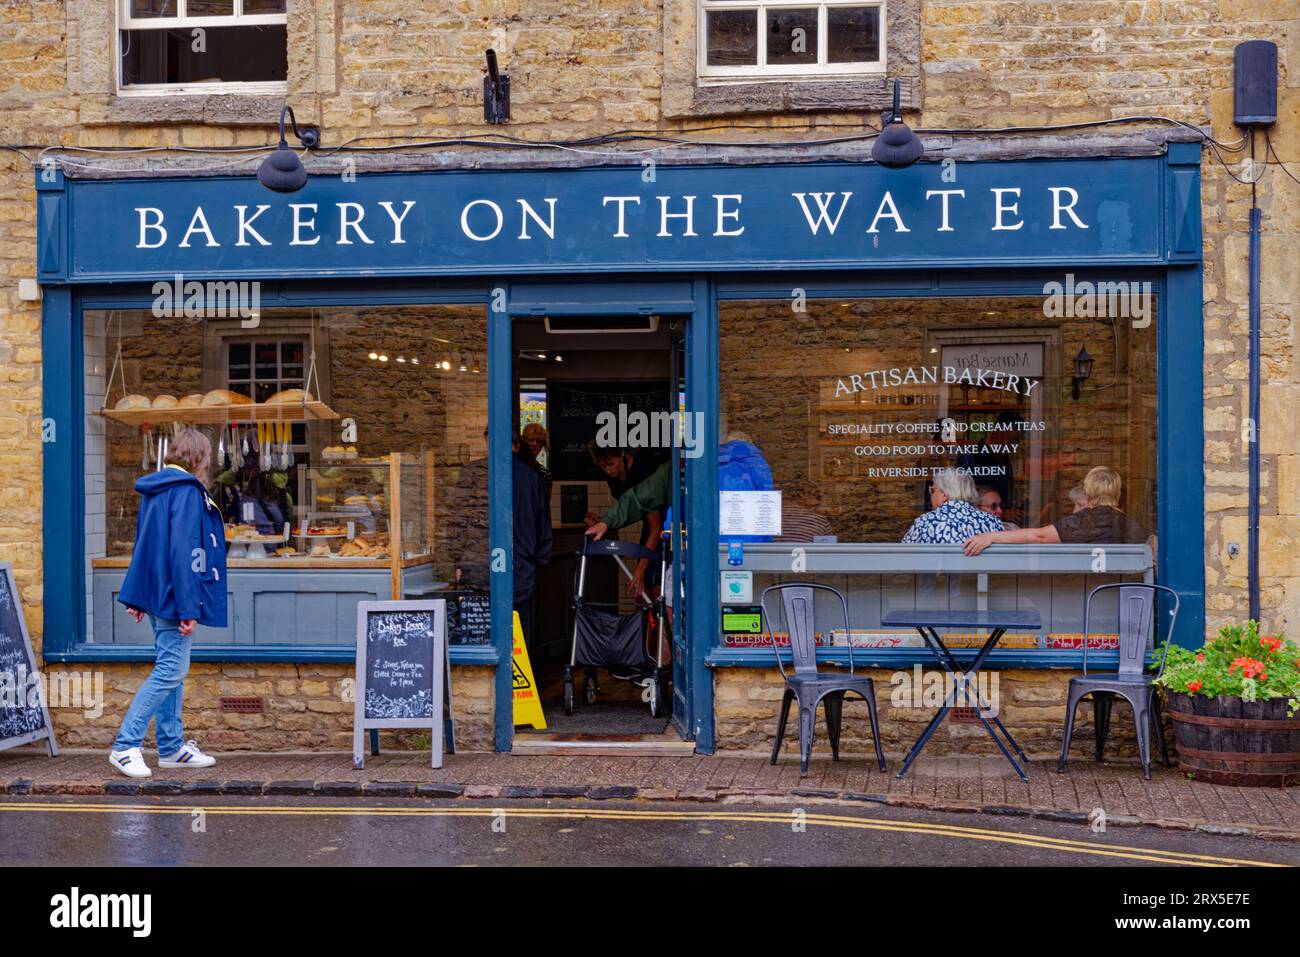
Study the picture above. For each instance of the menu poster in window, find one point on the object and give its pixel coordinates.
(630, 414)
(402, 670)
(749, 513)
(24, 714)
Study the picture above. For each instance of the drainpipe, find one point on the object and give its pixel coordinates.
(1253, 519)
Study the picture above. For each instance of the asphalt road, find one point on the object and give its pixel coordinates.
(99, 831)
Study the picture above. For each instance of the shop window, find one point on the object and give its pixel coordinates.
(756, 41)
(202, 45)
(867, 402)
(349, 461)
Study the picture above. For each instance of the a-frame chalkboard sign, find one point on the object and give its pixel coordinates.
(24, 712)
(403, 673)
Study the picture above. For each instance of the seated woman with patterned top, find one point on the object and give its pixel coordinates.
(954, 514)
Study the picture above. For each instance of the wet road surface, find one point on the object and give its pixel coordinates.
(97, 831)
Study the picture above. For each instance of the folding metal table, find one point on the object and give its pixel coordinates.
(997, 622)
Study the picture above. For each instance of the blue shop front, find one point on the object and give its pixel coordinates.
(793, 348)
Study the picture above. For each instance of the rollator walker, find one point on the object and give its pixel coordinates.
(631, 647)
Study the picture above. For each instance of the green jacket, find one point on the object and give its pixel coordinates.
(636, 503)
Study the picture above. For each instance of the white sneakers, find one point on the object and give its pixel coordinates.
(189, 756)
(131, 762)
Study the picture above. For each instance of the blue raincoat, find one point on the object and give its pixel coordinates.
(178, 568)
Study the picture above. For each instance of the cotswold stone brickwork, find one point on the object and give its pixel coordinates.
(388, 68)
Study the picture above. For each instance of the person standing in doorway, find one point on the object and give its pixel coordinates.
(177, 577)
(532, 532)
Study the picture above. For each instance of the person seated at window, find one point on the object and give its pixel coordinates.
(800, 524)
(1078, 498)
(741, 468)
(954, 514)
(1101, 523)
(991, 502)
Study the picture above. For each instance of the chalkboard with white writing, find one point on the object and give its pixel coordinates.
(401, 669)
(24, 715)
(469, 619)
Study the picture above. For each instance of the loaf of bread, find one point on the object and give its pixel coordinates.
(225, 397)
(132, 402)
(164, 402)
(289, 395)
(191, 401)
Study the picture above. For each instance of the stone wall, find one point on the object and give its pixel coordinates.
(392, 68)
(307, 707)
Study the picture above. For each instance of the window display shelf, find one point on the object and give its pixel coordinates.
(221, 414)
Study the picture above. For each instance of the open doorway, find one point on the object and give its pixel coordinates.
(589, 394)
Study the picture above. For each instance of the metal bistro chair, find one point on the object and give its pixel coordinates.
(806, 684)
(1137, 603)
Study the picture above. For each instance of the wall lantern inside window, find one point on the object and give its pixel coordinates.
(282, 171)
(896, 146)
(1082, 369)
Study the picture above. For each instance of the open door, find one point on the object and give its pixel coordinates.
(578, 353)
(679, 542)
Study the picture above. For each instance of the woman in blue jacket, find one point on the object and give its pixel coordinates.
(178, 578)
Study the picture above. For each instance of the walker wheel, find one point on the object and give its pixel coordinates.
(589, 690)
(568, 696)
(656, 699)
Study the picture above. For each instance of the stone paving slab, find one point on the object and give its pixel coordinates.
(969, 783)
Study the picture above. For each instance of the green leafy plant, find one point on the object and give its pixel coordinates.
(1240, 663)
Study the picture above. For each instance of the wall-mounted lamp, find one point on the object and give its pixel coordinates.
(496, 92)
(1082, 369)
(896, 146)
(282, 171)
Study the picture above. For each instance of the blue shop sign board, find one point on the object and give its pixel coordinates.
(610, 219)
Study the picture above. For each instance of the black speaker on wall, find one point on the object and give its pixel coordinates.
(1254, 87)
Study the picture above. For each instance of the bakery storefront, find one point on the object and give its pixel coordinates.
(361, 352)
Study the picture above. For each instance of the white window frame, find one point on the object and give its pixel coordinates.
(761, 70)
(239, 19)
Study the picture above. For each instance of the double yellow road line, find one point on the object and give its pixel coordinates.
(635, 815)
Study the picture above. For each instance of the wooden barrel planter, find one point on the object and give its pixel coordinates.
(1226, 740)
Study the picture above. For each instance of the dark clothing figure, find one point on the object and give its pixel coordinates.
(1100, 525)
(532, 536)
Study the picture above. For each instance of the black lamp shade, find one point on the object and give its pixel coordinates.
(282, 171)
(1082, 364)
(897, 146)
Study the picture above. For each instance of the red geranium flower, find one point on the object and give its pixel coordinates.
(1193, 686)
(1201, 656)
(1272, 644)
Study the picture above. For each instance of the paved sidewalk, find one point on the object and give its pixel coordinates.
(979, 784)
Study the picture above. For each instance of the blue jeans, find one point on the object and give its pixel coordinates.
(161, 693)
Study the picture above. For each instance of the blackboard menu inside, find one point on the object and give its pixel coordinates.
(399, 664)
(573, 504)
(469, 620)
(572, 411)
(21, 709)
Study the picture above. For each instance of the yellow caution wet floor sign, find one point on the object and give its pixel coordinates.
(528, 706)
